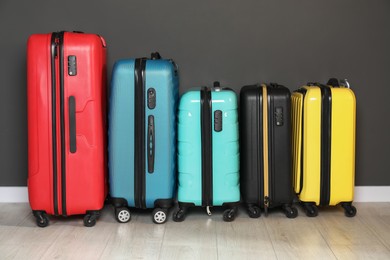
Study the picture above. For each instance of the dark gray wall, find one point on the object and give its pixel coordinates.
(236, 42)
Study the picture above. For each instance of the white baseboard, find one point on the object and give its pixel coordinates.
(362, 194)
(13, 194)
(372, 194)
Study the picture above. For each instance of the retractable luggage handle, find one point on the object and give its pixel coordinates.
(338, 83)
(332, 82)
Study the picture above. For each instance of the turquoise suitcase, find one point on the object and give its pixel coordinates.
(142, 136)
(208, 151)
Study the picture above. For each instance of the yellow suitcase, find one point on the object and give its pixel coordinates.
(323, 122)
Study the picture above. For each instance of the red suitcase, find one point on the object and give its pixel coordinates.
(66, 93)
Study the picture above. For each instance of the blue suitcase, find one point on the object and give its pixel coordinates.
(208, 151)
(142, 136)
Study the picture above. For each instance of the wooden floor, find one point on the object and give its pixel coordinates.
(329, 236)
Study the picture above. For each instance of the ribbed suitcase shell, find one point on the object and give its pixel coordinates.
(85, 175)
(307, 145)
(225, 149)
(162, 76)
(252, 146)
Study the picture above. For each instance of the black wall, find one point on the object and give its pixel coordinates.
(235, 42)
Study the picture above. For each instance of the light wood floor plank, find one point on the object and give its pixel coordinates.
(329, 236)
(245, 238)
(77, 241)
(23, 250)
(138, 239)
(376, 216)
(195, 238)
(187, 252)
(296, 238)
(29, 232)
(12, 214)
(350, 238)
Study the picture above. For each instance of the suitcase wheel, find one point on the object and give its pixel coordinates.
(179, 215)
(350, 211)
(122, 215)
(311, 210)
(254, 211)
(41, 218)
(160, 215)
(90, 219)
(229, 215)
(291, 212)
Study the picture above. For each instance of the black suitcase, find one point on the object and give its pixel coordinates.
(265, 136)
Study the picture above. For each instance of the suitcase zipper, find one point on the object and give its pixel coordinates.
(265, 149)
(54, 56)
(326, 130)
(302, 126)
(206, 141)
(139, 133)
(62, 122)
(57, 58)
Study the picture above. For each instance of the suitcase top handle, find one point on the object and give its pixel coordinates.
(155, 56)
(343, 83)
(333, 82)
(275, 85)
(217, 86)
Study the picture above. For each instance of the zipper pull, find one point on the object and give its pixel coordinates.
(208, 210)
(55, 49)
(56, 43)
(266, 204)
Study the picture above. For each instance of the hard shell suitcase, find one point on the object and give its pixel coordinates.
(208, 151)
(324, 145)
(142, 136)
(66, 94)
(265, 144)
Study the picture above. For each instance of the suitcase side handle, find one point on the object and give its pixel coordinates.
(151, 141)
(72, 124)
